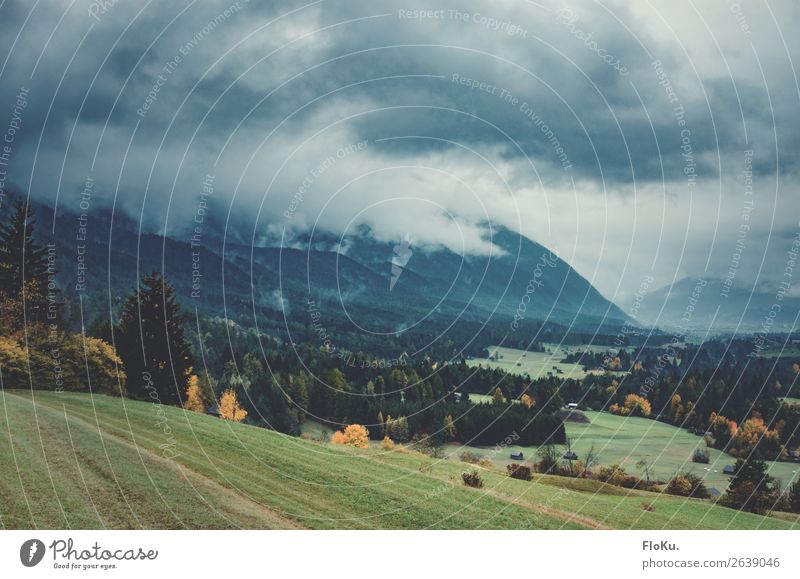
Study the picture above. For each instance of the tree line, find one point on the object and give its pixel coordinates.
(147, 353)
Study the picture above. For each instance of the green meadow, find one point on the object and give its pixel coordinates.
(81, 461)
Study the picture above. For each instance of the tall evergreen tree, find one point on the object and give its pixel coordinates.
(151, 343)
(23, 262)
(751, 487)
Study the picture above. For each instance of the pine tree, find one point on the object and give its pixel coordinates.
(751, 487)
(400, 430)
(157, 357)
(23, 262)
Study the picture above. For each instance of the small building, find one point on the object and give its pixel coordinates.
(714, 492)
(214, 411)
(729, 469)
(517, 455)
(572, 405)
(569, 455)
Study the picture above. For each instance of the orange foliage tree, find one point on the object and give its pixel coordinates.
(754, 436)
(352, 435)
(194, 396)
(634, 405)
(229, 407)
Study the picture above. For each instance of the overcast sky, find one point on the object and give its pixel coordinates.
(618, 134)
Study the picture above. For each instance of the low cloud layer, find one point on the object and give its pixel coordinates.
(635, 139)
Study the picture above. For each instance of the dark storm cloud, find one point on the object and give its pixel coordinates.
(501, 95)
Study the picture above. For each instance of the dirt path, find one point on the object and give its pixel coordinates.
(227, 502)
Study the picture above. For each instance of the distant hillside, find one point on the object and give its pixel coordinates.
(84, 462)
(744, 309)
(362, 287)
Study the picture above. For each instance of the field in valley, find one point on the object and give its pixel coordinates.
(81, 461)
(626, 441)
(536, 364)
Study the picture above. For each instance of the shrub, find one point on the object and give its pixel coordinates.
(632, 482)
(60, 361)
(519, 471)
(613, 474)
(648, 507)
(427, 445)
(679, 485)
(472, 479)
(548, 459)
(469, 457)
(387, 443)
(486, 462)
(700, 455)
(687, 485)
(352, 435)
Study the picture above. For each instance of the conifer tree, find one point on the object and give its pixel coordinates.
(23, 262)
(151, 343)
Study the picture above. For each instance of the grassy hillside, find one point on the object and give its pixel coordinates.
(80, 461)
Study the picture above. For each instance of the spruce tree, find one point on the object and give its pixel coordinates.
(751, 487)
(23, 262)
(151, 343)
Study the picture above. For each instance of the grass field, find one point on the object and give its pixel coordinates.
(80, 461)
(786, 352)
(536, 364)
(626, 441)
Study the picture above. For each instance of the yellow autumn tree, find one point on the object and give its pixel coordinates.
(497, 397)
(229, 407)
(528, 400)
(352, 435)
(637, 405)
(449, 427)
(194, 395)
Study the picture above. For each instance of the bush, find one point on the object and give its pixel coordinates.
(469, 457)
(352, 435)
(486, 462)
(472, 479)
(648, 507)
(387, 443)
(60, 361)
(613, 475)
(700, 455)
(687, 485)
(519, 471)
(633, 482)
(548, 459)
